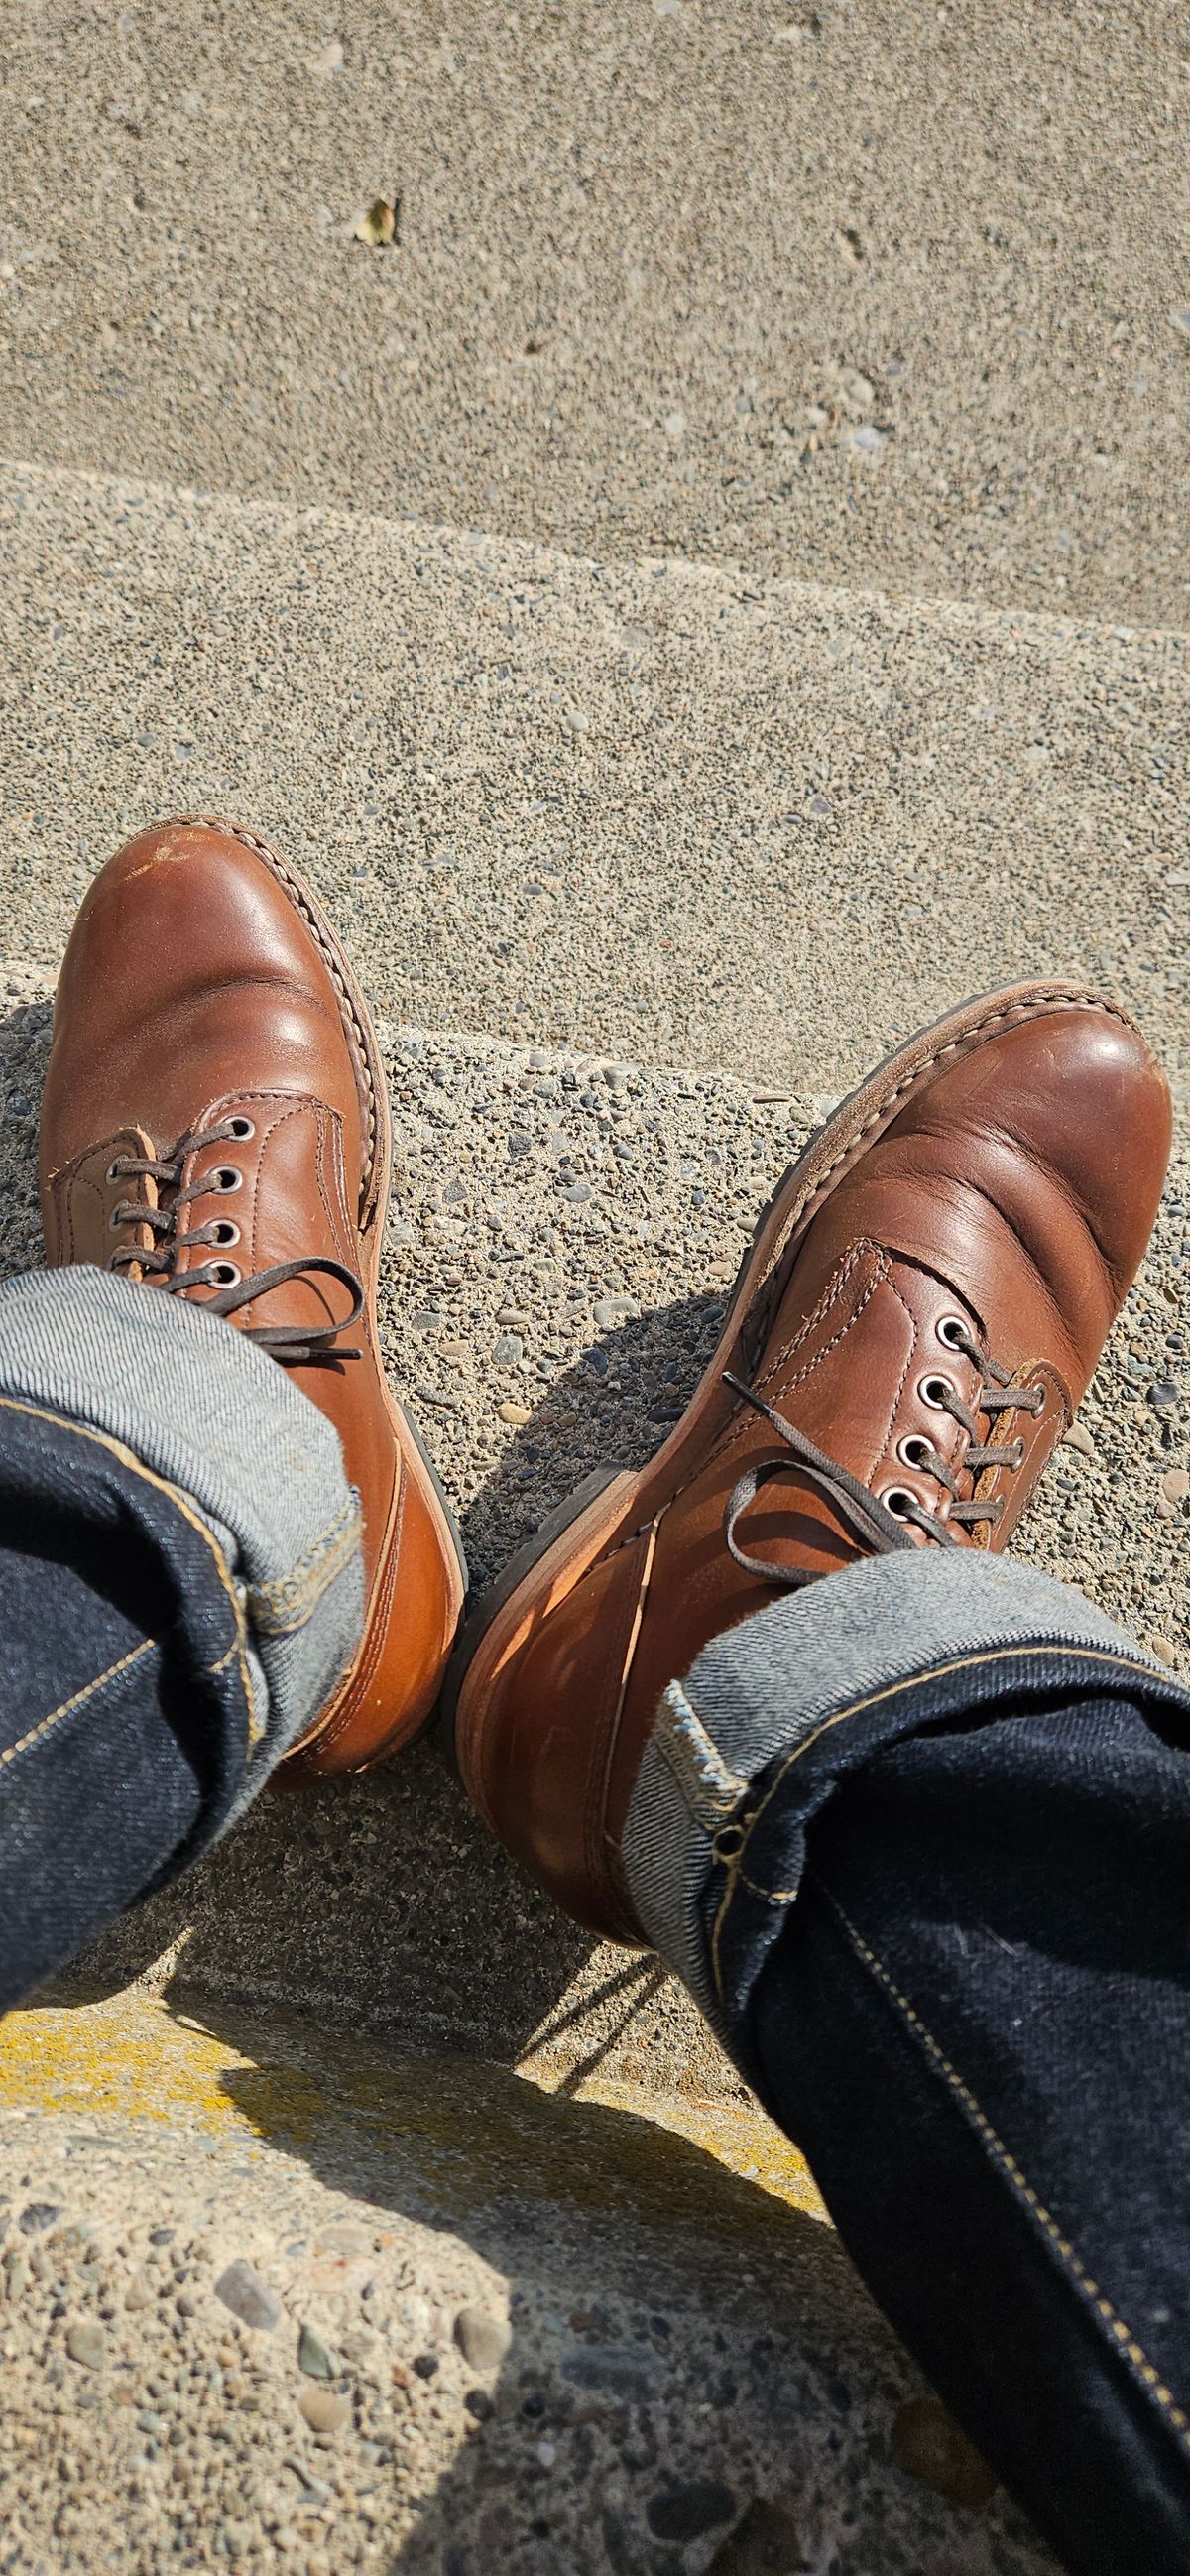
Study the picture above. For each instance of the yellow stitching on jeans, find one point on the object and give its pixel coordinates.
(87, 1692)
(1121, 2335)
(290, 1600)
(128, 1458)
(940, 1672)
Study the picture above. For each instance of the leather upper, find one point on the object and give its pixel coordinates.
(201, 990)
(1007, 1205)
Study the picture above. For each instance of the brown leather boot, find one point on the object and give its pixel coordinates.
(216, 1125)
(924, 1302)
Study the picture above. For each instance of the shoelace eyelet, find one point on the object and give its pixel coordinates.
(225, 1178)
(113, 1173)
(225, 1230)
(952, 1332)
(241, 1128)
(914, 1450)
(898, 1500)
(934, 1390)
(226, 1274)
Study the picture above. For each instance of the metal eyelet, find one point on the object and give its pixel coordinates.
(953, 1333)
(934, 1389)
(1018, 1452)
(115, 1220)
(914, 1450)
(225, 1178)
(225, 1230)
(113, 1173)
(898, 1500)
(226, 1274)
(241, 1128)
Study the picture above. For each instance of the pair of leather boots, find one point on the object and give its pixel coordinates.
(923, 1303)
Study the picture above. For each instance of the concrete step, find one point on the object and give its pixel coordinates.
(649, 252)
(538, 1185)
(649, 810)
(480, 2323)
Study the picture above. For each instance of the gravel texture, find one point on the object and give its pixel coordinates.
(879, 291)
(651, 811)
(551, 2332)
(371, 1901)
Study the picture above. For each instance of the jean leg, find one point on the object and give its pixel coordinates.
(918, 1840)
(976, 2025)
(180, 1588)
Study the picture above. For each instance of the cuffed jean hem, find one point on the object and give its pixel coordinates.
(181, 1397)
(823, 1679)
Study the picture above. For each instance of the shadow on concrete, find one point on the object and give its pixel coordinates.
(381, 1904)
(680, 2339)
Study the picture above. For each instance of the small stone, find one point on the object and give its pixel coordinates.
(870, 440)
(1078, 1437)
(508, 1350)
(139, 2293)
(242, 2290)
(615, 1310)
(417, 2317)
(611, 2370)
(517, 1321)
(1164, 1395)
(1163, 1648)
(38, 2215)
(684, 2512)
(675, 425)
(928, 2444)
(1175, 1484)
(578, 1192)
(575, 721)
(17, 2274)
(325, 2412)
(483, 2337)
(426, 2365)
(480, 2405)
(514, 1413)
(765, 2543)
(377, 225)
(313, 2356)
(88, 2346)
(327, 62)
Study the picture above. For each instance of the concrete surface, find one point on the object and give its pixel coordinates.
(488, 2325)
(836, 301)
(868, 291)
(381, 1904)
(659, 812)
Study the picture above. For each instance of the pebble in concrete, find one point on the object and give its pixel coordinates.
(87, 2345)
(249, 2298)
(483, 2337)
(313, 2356)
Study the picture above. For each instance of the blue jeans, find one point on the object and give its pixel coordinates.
(180, 1588)
(918, 1840)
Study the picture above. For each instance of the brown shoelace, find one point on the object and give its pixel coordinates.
(293, 1344)
(868, 1517)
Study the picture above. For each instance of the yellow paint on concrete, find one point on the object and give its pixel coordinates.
(468, 2131)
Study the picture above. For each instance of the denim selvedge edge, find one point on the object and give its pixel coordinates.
(196, 1404)
(844, 1649)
